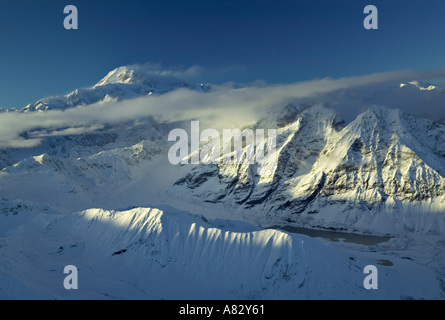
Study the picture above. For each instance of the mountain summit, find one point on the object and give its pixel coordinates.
(123, 75)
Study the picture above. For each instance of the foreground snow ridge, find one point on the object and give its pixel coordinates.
(146, 253)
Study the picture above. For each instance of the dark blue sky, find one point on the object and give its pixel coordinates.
(242, 41)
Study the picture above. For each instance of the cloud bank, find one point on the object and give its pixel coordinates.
(228, 107)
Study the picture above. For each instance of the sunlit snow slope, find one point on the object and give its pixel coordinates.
(146, 253)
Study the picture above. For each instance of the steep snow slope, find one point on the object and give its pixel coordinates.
(146, 253)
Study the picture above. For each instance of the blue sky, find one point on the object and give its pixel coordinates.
(241, 41)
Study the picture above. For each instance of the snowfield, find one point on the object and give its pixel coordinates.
(146, 253)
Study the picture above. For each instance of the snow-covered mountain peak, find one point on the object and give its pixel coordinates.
(119, 84)
(123, 75)
(380, 113)
(379, 118)
(146, 80)
(419, 85)
(282, 116)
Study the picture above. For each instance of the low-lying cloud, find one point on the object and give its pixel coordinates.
(229, 107)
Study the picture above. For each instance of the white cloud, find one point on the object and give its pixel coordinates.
(195, 73)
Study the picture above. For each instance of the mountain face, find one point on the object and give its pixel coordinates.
(300, 138)
(385, 166)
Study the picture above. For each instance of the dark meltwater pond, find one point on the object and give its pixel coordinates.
(336, 236)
